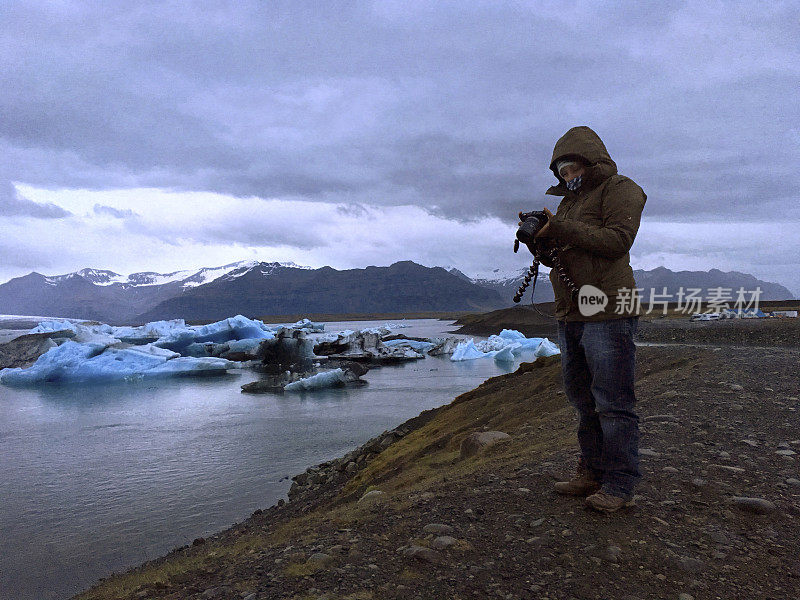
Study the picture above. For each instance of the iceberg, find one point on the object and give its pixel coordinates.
(101, 352)
(547, 348)
(231, 329)
(91, 362)
(309, 326)
(249, 345)
(53, 326)
(149, 332)
(505, 355)
(413, 344)
(320, 381)
(504, 347)
(467, 351)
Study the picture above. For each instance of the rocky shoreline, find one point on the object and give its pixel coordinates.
(413, 513)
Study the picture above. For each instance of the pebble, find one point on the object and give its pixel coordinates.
(422, 553)
(751, 443)
(670, 470)
(539, 541)
(670, 418)
(648, 452)
(442, 542)
(759, 506)
(613, 553)
(320, 558)
(698, 482)
(685, 596)
(719, 537)
(786, 452)
(439, 528)
(691, 565)
(728, 468)
(371, 495)
(793, 481)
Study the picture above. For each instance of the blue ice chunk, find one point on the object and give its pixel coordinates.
(467, 351)
(509, 342)
(319, 381)
(547, 348)
(415, 344)
(505, 355)
(54, 325)
(233, 328)
(309, 326)
(73, 362)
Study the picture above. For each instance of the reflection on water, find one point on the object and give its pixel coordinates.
(97, 478)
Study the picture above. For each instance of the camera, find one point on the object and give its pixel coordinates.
(532, 223)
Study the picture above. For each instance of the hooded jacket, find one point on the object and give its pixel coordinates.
(594, 228)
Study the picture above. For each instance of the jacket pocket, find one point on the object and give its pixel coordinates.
(582, 267)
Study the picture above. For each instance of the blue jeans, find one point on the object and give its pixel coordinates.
(597, 363)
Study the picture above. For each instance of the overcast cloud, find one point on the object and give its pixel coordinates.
(293, 130)
(13, 204)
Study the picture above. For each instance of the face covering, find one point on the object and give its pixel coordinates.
(574, 184)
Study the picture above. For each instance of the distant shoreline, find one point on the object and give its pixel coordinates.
(330, 317)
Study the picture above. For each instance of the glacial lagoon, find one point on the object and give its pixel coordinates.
(98, 478)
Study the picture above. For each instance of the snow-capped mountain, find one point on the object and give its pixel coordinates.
(188, 278)
(506, 283)
(248, 287)
(257, 289)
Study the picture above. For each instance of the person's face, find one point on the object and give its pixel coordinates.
(570, 172)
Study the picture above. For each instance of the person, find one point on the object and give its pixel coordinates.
(593, 230)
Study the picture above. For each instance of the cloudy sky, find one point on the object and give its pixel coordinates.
(171, 135)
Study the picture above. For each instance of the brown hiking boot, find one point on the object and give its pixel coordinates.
(580, 485)
(607, 503)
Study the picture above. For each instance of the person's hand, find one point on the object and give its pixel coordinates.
(546, 227)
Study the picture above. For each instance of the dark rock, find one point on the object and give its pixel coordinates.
(758, 506)
(263, 386)
(438, 528)
(22, 352)
(690, 565)
(442, 542)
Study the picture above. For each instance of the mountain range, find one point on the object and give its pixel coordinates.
(271, 288)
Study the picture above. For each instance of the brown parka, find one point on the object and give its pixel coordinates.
(594, 228)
